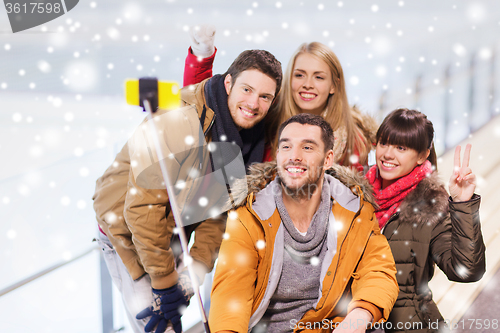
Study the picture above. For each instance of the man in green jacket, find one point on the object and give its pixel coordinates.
(304, 253)
(134, 213)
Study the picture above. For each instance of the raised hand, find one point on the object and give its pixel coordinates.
(462, 181)
(202, 40)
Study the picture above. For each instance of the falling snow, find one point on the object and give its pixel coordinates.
(64, 117)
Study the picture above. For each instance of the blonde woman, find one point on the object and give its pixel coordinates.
(314, 83)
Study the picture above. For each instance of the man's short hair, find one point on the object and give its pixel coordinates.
(260, 60)
(314, 120)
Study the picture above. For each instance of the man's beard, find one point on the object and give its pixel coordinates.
(304, 191)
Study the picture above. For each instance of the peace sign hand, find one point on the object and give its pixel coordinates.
(462, 181)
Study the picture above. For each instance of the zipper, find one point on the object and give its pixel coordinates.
(209, 125)
(391, 219)
(205, 135)
(340, 250)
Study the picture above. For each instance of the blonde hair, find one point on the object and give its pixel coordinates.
(337, 112)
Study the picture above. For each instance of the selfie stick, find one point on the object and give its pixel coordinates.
(150, 97)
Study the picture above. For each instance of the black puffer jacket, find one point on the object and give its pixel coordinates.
(429, 229)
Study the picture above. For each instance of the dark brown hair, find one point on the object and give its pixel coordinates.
(408, 128)
(314, 120)
(260, 60)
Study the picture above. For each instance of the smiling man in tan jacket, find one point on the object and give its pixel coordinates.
(134, 213)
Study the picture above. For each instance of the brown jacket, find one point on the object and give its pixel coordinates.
(359, 270)
(430, 229)
(138, 221)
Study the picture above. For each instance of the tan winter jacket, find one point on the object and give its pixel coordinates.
(138, 221)
(358, 270)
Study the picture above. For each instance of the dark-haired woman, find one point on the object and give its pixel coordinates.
(424, 226)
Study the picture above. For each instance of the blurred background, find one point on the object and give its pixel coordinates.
(63, 118)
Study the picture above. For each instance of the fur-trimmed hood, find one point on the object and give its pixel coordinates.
(367, 124)
(261, 174)
(427, 203)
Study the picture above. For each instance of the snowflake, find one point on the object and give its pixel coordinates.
(189, 140)
(233, 215)
(194, 173)
(180, 184)
(17, 117)
(78, 152)
(65, 201)
(11, 234)
(188, 260)
(462, 271)
(84, 172)
(81, 204)
(110, 217)
(314, 261)
(485, 53)
(203, 201)
(67, 255)
(476, 12)
(234, 306)
(381, 71)
(459, 49)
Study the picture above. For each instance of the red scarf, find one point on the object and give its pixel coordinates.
(391, 197)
